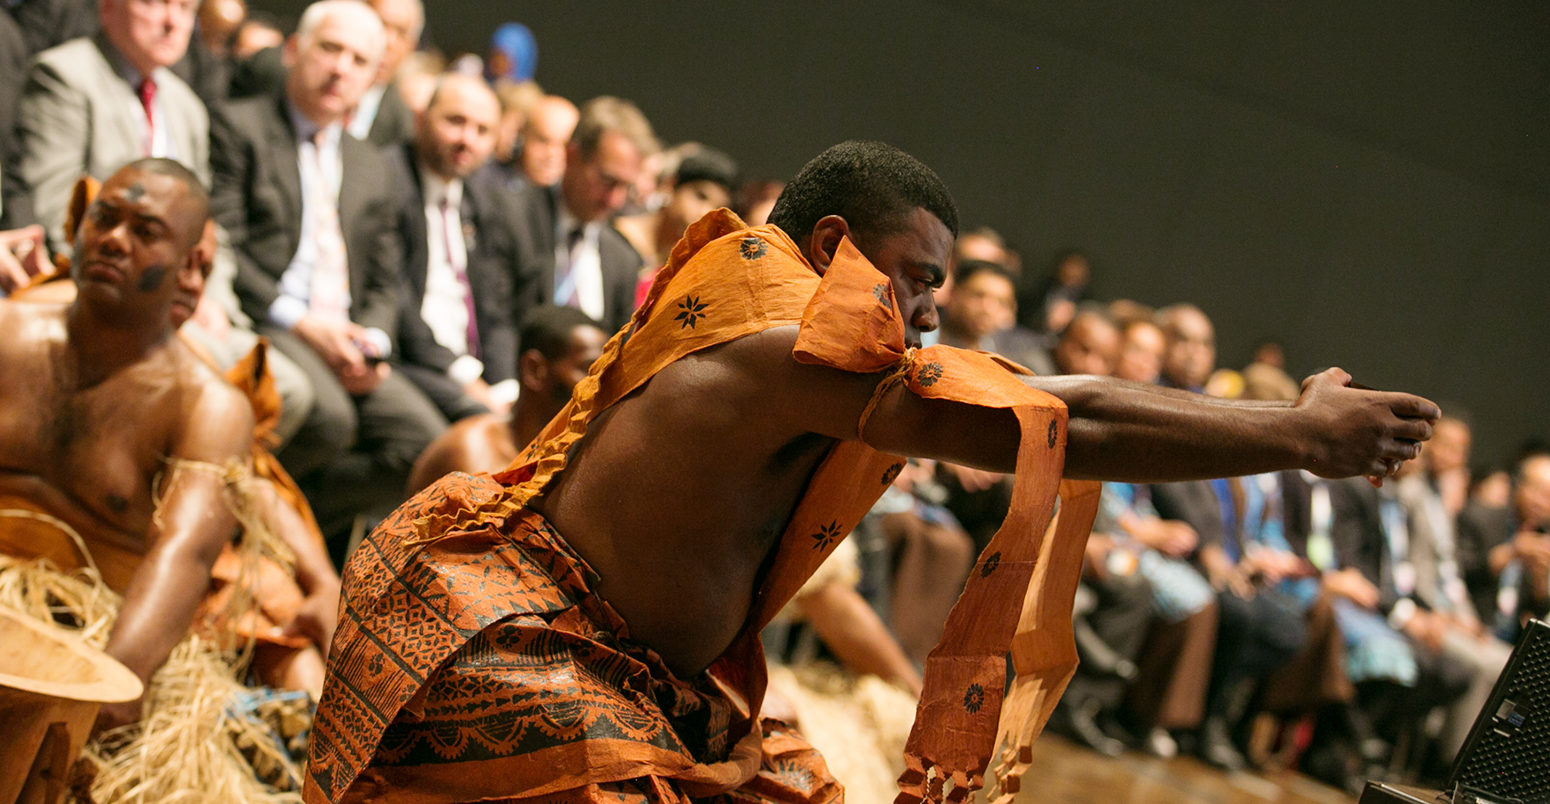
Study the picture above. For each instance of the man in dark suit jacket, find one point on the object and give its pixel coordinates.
(1515, 541)
(382, 118)
(310, 212)
(460, 256)
(579, 258)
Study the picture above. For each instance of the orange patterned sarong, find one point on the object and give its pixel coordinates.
(470, 663)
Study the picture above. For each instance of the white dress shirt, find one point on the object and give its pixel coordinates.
(585, 261)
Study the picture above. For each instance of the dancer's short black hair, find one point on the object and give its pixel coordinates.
(872, 185)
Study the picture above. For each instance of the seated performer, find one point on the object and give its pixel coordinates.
(113, 426)
(292, 611)
(559, 345)
(584, 626)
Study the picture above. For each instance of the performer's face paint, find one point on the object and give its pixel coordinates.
(133, 235)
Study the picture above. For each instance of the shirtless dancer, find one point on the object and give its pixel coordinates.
(558, 345)
(102, 398)
(679, 492)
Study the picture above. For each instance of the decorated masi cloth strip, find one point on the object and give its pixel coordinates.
(435, 578)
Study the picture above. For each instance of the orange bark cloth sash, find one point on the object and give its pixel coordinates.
(723, 282)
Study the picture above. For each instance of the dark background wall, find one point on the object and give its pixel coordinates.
(1368, 183)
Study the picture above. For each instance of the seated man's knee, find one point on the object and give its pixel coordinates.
(297, 396)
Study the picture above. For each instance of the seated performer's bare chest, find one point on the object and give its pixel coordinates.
(677, 496)
(95, 449)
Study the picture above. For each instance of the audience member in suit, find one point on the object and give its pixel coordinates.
(581, 260)
(982, 314)
(1432, 604)
(46, 23)
(1369, 532)
(49, 23)
(13, 69)
(538, 154)
(92, 104)
(1047, 304)
(381, 117)
(703, 181)
(1258, 630)
(457, 340)
(312, 212)
(1505, 552)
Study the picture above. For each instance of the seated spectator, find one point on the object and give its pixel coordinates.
(1336, 527)
(1090, 344)
(218, 21)
(319, 268)
(1431, 602)
(981, 313)
(1265, 378)
(258, 31)
(517, 104)
(1048, 303)
(987, 245)
(1141, 352)
(1490, 487)
(1128, 311)
(548, 129)
(579, 258)
(93, 103)
(513, 54)
(1258, 630)
(559, 344)
(703, 181)
(931, 557)
(381, 117)
(1112, 610)
(1505, 552)
(457, 341)
(755, 200)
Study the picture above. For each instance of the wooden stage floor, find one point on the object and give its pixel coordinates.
(1064, 772)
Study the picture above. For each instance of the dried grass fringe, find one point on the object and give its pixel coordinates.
(195, 741)
(858, 723)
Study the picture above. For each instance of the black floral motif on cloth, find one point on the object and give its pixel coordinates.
(690, 311)
(826, 536)
(929, 374)
(752, 248)
(881, 292)
(992, 561)
(973, 698)
(892, 473)
(1054, 433)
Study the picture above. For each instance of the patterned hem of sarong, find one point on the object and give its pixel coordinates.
(535, 676)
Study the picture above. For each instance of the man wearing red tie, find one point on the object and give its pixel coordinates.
(92, 104)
